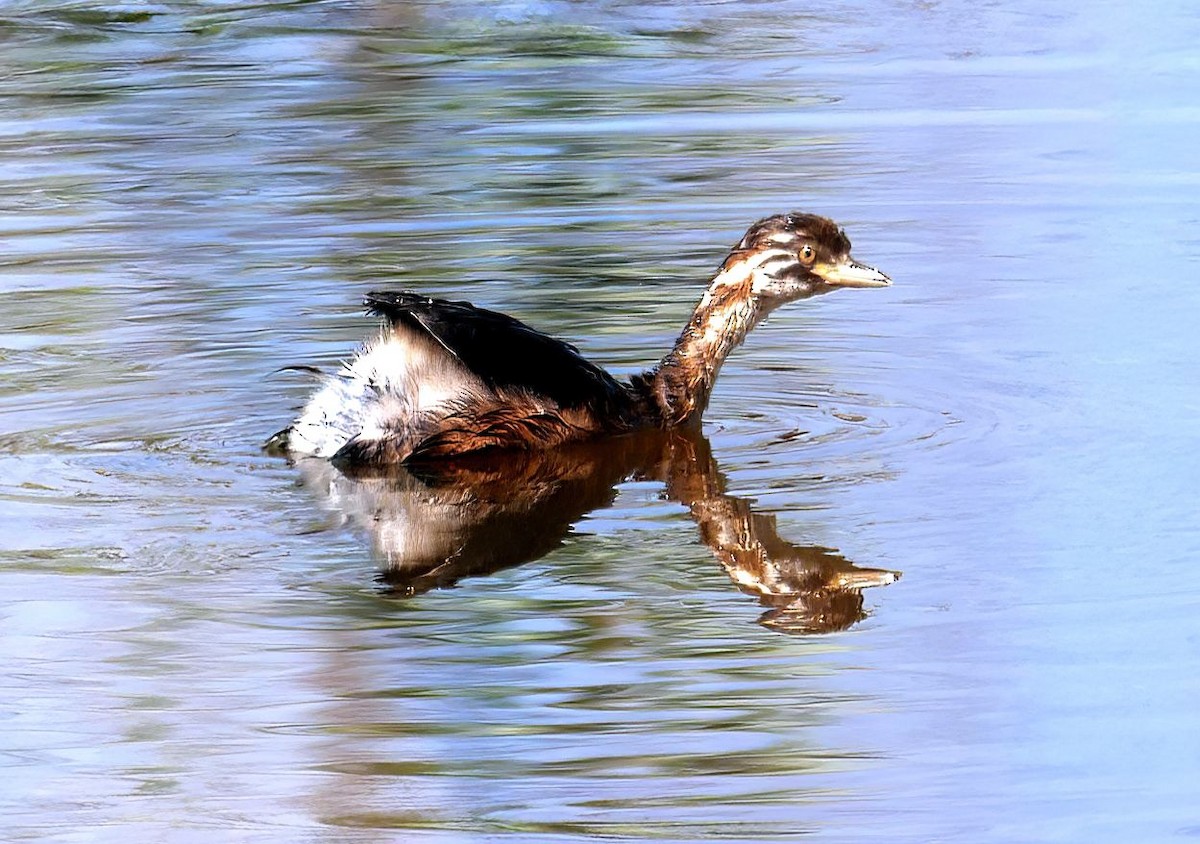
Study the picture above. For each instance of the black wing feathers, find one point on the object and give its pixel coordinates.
(503, 351)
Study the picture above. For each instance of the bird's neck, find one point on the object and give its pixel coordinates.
(683, 381)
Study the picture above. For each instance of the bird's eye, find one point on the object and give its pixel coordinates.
(807, 255)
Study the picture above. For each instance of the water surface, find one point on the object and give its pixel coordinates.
(197, 642)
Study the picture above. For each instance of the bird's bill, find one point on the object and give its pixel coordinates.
(850, 273)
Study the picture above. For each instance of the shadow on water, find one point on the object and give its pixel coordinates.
(432, 525)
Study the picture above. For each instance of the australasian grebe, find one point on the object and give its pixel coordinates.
(447, 378)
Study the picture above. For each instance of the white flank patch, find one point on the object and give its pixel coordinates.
(396, 387)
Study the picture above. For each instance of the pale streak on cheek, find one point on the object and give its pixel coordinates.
(762, 284)
(756, 266)
(763, 281)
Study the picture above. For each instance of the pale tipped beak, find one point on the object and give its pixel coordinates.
(849, 273)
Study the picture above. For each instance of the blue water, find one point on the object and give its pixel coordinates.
(196, 639)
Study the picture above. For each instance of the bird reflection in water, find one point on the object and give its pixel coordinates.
(434, 524)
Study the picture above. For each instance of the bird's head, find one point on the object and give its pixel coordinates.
(794, 256)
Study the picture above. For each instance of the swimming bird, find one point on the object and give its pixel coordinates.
(445, 379)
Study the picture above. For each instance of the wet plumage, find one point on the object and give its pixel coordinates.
(446, 378)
